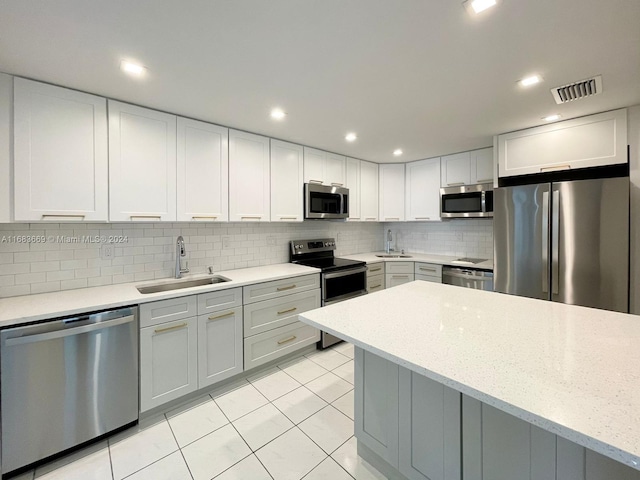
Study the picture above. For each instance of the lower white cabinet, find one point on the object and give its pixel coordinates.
(375, 277)
(397, 273)
(428, 272)
(219, 346)
(264, 347)
(168, 362)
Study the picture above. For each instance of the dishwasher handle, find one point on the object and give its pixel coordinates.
(486, 277)
(65, 331)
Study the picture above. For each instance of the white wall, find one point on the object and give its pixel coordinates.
(634, 142)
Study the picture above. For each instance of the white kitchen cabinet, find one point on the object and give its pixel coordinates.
(60, 154)
(391, 191)
(353, 180)
(456, 169)
(375, 277)
(168, 361)
(287, 167)
(6, 122)
(428, 272)
(324, 168)
(422, 190)
(249, 177)
(368, 191)
(270, 345)
(429, 429)
(591, 141)
(142, 164)
(219, 345)
(376, 405)
(202, 172)
(260, 317)
(398, 273)
(482, 165)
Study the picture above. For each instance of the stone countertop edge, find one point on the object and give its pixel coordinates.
(448, 260)
(622, 446)
(44, 306)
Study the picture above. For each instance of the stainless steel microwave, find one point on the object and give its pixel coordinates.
(467, 201)
(325, 202)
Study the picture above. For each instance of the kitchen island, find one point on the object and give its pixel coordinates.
(453, 381)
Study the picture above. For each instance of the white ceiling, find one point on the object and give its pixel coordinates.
(421, 75)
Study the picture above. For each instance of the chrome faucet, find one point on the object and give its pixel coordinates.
(181, 251)
(389, 240)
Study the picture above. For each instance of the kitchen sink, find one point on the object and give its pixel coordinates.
(388, 255)
(178, 284)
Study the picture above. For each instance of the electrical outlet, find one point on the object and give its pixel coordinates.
(226, 242)
(271, 241)
(459, 237)
(106, 251)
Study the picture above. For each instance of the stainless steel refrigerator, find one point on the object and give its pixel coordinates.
(564, 241)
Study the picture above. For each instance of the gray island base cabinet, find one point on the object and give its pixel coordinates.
(412, 427)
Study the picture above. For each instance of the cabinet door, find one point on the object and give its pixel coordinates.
(353, 184)
(393, 280)
(142, 164)
(203, 172)
(219, 346)
(456, 169)
(423, 190)
(287, 166)
(6, 102)
(334, 170)
(429, 429)
(314, 161)
(369, 191)
(375, 283)
(391, 190)
(168, 362)
(249, 192)
(376, 405)
(60, 154)
(482, 165)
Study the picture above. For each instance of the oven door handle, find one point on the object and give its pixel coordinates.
(344, 273)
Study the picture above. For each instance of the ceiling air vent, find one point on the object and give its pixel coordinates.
(577, 90)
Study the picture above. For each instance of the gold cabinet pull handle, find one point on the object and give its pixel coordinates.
(455, 183)
(337, 184)
(223, 315)
(63, 216)
(288, 218)
(556, 167)
(376, 269)
(280, 289)
(400, 276)
(392, 218)
(146, 216)
(427, 269)
(423, 218)
(287, 310)
(251, 217)
(316, 181)
(368, 219)
(166, 329)
(375, 286)
(287, 340)
(203, 217)
(485, 180)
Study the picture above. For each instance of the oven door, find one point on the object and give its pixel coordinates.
(467, 201)
(321, 201)
(343, 285)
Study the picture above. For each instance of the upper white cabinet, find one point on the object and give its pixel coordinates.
(391, 181)
(287, 166)
(590, 141)
(368, 191)
(353, 180)
(203, 171)
(423, 190)
(6, 100)
(467, 168)
(249, 182)
(142, 164)
(60, 154)
(324, 167)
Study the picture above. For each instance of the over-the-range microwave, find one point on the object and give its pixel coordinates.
(467, 201)
(325, 202)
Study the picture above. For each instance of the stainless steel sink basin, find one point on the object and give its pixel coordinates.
(388, 255)
(178, 284)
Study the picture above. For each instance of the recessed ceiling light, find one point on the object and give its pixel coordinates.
(532, 80)
(397, 152)
(477, 6)
(350, 137)
(132, 68)
(552, 118)
(278, 114)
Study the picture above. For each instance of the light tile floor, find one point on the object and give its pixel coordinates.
(292, 421)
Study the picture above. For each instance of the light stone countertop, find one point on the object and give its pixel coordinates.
(573, 371)
(419, 257)
(30, 308)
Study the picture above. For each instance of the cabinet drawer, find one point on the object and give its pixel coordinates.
(398, 267)
(267, 346)
(210, 302)
(278, 288)
(162, 311)
(375, 283)
(392, 280)
(263, 316)
(375, 269)
(429, 269)
(428, 278)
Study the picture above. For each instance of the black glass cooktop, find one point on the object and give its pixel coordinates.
(330, 264)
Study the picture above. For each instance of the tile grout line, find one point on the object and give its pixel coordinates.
(179, 447)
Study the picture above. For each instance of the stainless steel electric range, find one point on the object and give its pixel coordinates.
(341, 279)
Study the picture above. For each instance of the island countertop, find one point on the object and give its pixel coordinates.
(573, 371)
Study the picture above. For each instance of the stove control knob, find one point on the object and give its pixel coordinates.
(326, 244)
(298, 246)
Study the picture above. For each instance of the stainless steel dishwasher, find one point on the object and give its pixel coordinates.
(468, 277)
(65, 382)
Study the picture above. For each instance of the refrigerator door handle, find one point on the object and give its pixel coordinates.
(545, 242)
(555, 242)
